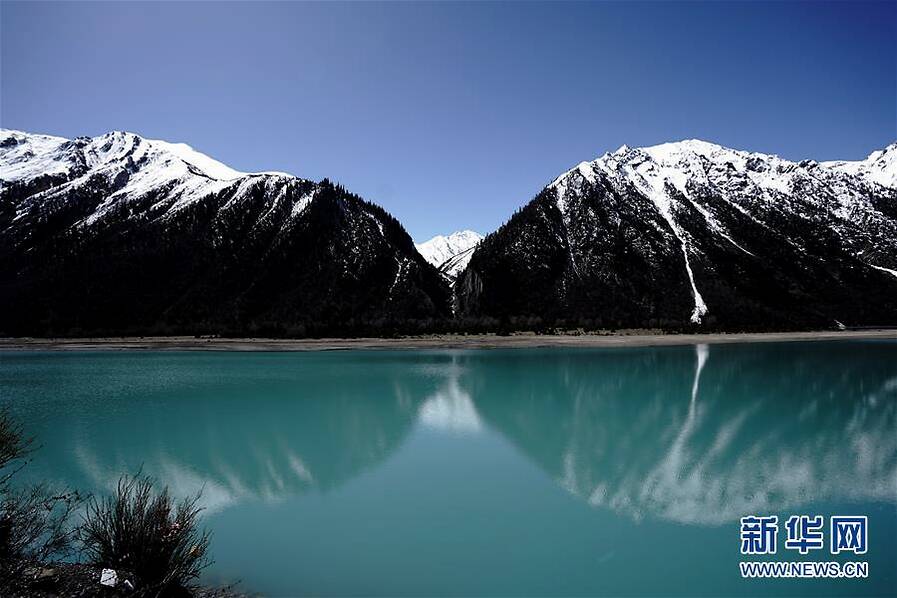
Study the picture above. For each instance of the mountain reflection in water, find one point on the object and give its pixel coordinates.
(690, 434)
(706, 435)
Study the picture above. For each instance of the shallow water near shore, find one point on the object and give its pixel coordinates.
(486, 472)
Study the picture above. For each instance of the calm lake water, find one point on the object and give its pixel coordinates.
(486, 472)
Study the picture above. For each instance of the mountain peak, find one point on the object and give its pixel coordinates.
(698, 146)
(696, 160)
(31, 155)
(134, 166)
(450, 253)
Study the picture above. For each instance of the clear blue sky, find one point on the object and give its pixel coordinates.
(453, 115)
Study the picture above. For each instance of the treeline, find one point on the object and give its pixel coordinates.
(392, 328)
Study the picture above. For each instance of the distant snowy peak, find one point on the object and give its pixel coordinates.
(450, 254)
(442, 247)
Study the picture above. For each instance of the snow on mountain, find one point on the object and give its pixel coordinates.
(450, 254)
(732, 173)
(627, 232)
(28, 156)
(143, 166)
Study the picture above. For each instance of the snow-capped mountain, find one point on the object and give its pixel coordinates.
(122, 233)
(693, 232)
(119, 233)
(450, 254)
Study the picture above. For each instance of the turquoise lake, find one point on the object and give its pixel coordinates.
(554, 472)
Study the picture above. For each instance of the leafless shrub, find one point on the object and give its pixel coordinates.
(146, 533)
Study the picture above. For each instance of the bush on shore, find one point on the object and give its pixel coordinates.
(146, 533)
(139, 532)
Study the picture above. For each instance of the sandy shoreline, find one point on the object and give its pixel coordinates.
(634, 339)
